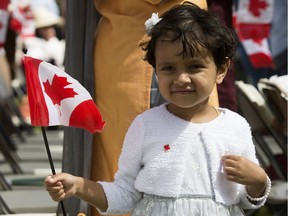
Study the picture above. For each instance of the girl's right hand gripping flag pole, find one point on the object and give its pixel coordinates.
(55, 98)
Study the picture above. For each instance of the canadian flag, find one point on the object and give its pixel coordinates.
(259, 52)
(252, 21)
(22, 20)
(4, 17)
(55, 98)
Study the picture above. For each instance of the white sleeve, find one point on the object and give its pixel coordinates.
(251, 155)
(245, 201)
(121, 194)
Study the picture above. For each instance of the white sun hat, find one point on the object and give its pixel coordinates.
(44, 18)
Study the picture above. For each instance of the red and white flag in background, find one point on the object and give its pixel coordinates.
(55, 98)
(4, 17)
(252, 20)
(22, 19)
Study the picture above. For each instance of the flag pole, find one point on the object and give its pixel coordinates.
(51, 163)
(24, 50)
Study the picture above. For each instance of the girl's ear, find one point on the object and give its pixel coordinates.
(222, 71)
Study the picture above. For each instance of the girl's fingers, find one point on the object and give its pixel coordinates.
(229, 170)
(49, 180)
(231, 177)
(54, 188)
(57, 197)
(234, 158)
(232, 161)
(230, 164)
(57, 194)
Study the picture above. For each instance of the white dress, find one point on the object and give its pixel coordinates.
(171, 167)
(196, 197)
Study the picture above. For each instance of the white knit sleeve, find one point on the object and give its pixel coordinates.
(121, 194)
(250, 154)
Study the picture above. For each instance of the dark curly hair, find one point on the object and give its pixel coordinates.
(193, 26)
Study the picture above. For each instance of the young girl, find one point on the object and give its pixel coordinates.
(184, 157)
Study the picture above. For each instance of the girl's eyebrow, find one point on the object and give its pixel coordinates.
(164, 63)
(197, 59)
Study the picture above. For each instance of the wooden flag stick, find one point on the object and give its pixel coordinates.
(51, 163)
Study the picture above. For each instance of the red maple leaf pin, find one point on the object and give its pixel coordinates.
(166, 147)
(256, 6)
(57, 91)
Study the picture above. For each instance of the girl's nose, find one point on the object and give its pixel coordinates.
(182, 78)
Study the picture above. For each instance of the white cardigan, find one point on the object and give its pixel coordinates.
(145, 166)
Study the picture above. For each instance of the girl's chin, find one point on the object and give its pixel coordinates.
(181, 105)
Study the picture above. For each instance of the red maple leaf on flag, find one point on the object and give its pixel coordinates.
(258, 40)
(255, 7)
(57, 91)
(1, 25)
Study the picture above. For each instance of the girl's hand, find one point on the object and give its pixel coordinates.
(243, 171)
(61, 186)
(64, 185)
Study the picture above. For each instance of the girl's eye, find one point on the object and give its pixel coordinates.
(167, 68)
(194, 66)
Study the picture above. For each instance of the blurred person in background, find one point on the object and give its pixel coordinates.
(46, 45)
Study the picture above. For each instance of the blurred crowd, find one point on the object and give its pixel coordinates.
(36, 27)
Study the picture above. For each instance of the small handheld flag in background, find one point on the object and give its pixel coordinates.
(55, 98)
(252, 22)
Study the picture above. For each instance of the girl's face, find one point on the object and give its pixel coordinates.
(47, 32)
(185, 82)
